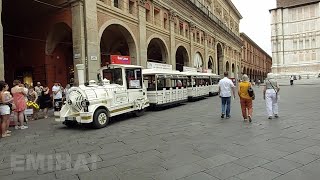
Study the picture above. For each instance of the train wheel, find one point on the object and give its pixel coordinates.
(139, 113)
(100, 119)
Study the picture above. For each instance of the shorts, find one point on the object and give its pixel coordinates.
(5, 110)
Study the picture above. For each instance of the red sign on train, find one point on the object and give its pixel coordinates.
(116, 59)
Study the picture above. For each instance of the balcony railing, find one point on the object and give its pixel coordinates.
(213, 18)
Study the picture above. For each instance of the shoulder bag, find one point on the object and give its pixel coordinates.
(274, 89)
(251, 92)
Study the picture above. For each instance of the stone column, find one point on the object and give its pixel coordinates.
(172, 55)
(192, 30)
(1, 46)
(143, 47)
(93, 42)
(79, 33)
(78, 36)
(206, 53)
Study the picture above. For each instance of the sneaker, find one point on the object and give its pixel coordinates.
(250, 119)
(8, 132)
(227, 117)
(270, 117)
(17, 127)
(245, 120)
(5, 135)
(276, 116)
(222, 115)
(24, 127)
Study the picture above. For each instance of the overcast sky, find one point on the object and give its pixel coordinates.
(256, 20)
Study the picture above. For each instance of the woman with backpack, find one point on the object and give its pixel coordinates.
(246, 95)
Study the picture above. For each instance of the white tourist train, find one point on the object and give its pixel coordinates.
(119, 91)
(126, 88)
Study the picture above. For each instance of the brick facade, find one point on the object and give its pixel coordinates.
(255, 62)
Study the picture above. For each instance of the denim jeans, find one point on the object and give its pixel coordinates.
(225, 101)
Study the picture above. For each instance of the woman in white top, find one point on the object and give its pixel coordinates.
(270, 94)
(5, 111)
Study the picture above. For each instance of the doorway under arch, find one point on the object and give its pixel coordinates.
(198, 61)
(182, 58)
(157, 51)
(227, 67)
(117, 40)
(211, 64)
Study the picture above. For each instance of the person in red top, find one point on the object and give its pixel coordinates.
(19, 92)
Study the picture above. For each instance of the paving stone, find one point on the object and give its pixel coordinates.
(290, 147)
(313, 150)
(297, 175)
(301, 157)
(226, 171)
(199, 176)
(216, 161)
(272, 154)
(179, 172)
(100, 174)
(258, 173)
(282, 166)
(251, 161)
(180, 160)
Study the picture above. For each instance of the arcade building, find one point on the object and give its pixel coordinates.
(47, 38)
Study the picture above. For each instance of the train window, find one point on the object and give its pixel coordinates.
(113, 75)
(150, 82)
(134, 78)
(163, 82)
(191, 82)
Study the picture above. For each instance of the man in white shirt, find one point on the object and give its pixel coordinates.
(57, 94)
(225, 88)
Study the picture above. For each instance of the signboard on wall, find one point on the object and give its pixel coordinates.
(189, 69)
(160, 66)
(116, 59)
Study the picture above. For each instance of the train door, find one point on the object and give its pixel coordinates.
(134, 84)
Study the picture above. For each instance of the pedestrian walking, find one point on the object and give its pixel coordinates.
(270, 94)
(246, 95)
(225, 88)
(291, 80)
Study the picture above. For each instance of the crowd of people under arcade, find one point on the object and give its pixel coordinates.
(23, 102)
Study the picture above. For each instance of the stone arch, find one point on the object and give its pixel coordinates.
(211, 64)
(127, 35)
(157, 50)
(59, 54)
(219, 59)
(227, 66)
(182, 57)
(198, 61)
(59, 32)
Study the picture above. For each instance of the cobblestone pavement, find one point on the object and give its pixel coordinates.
(186, 142)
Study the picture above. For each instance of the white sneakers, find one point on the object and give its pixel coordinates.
(21, 127)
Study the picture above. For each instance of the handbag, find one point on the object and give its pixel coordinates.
(251, 92)
(274, 89)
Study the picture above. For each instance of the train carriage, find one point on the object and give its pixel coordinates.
(165, 87)
(198, 85)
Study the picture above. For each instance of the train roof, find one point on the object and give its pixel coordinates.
(121, 65)
(159, 71)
